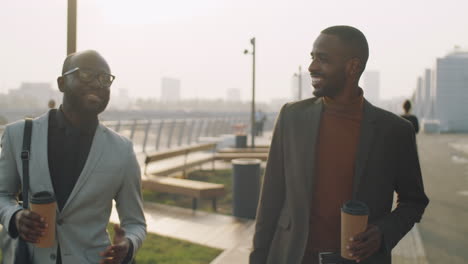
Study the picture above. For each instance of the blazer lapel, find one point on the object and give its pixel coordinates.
(94, 156)
(39, 156)
(365, 143)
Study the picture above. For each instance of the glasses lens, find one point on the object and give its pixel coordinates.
(105, 79)
(86, 76)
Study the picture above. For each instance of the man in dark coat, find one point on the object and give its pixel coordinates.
(332, 148)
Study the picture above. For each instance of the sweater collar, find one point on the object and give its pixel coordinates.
(352, 106)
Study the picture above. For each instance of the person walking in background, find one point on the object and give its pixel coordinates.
(330, 149)
(51, 104)
(85, 165)
(408, 116)
(260, 119)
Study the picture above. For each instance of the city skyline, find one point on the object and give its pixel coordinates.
(441, 93)
(202, 43)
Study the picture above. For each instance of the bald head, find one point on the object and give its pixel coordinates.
(87, 57)
(82, 90)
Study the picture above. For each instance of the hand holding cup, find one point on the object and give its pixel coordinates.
(365, 244)
(30, 225)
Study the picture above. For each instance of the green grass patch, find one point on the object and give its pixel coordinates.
(224, 203)
(164, 250)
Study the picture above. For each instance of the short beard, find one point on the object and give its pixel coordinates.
(74, 104)
(329, 92)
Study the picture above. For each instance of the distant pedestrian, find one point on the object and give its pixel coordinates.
(51, 104)
(260, 119)
(412, 118)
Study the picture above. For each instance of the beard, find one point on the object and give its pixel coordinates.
(329, 86)
(329, 91)
(85, 104)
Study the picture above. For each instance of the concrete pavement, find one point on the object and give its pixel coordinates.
(444, 227)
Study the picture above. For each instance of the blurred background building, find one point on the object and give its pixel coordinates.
(32, 95)
(170, 90)
(441, 94)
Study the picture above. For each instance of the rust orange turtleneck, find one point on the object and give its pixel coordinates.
(336, 149)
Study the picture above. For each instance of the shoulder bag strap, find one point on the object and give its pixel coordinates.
(25, 156)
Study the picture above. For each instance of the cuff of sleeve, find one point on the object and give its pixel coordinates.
(387, 242)
(133, 246)
(12, 231)
(129, 257)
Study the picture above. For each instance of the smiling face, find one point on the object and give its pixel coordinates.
(328, 66)
(85, 97)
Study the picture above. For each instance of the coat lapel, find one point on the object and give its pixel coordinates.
(365, 143)
(312, 127)
(94, 156)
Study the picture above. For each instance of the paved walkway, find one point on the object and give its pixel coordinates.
(444, 227)
(410, 249)
(208, 229)
(234, 235)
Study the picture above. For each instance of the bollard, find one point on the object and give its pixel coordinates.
(245, 187)
(241, 141)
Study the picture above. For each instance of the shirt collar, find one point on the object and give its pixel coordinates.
(64, 123)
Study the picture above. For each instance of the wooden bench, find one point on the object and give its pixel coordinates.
(195, 189)
(184, 152)
(230, 156)
(157, 181)
(244, 150)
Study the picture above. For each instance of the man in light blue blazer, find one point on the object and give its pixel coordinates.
(85, 165)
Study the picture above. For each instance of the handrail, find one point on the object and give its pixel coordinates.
(161, 134)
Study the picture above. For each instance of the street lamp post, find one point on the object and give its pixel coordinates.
(252, 114)
(299, 83)
(71, 27)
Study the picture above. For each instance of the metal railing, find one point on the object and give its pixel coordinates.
(161, 134)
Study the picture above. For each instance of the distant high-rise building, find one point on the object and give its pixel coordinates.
(450, 96)
(371, 86)
(418, 103)
(233, 95)
(170, 90)
(306, 85)
(426, 93)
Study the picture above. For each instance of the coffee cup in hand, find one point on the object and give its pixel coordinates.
(44, 204)
(354, 216)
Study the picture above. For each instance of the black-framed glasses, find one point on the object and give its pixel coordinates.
(87, 76)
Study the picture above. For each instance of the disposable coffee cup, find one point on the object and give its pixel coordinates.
(44, 204)
(354, 215)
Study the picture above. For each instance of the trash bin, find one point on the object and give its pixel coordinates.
(245, 187)
(241, 141)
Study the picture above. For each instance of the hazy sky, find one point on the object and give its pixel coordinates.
(201, 42)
